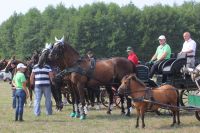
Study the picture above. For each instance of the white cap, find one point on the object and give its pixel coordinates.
(20, 65)
(161, 37)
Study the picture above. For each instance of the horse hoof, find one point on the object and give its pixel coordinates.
(108, 112)
(82, 117)
(136, 126)
(172, 125)
(77, 115)
(128, 114)
(72, 114)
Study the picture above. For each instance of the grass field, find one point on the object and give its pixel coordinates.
(97, 121)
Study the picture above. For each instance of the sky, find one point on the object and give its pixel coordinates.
(8, 7)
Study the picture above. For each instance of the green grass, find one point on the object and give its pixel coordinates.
(97, 121)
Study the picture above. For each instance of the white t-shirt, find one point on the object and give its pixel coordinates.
(189, 45)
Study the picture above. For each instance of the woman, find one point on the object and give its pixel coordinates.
(19, 81)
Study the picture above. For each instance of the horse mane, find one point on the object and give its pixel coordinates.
(133, 77)
(68, 46)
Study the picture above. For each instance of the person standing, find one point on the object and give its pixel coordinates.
(41, 78)
(189, 47)
(163, 52)
(131, 55)
(19, 82)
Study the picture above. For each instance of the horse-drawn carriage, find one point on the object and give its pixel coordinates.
(186, 81)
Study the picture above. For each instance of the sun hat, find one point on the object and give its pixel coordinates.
(20, 65)
(129, 49)
(161, 37)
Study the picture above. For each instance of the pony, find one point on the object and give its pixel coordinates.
(83, 74)
(146, 98)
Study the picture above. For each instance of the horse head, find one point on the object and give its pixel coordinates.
(43, 57)
(63, 53)
(129, 83)
(58, 49)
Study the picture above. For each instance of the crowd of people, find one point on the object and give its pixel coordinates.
(42, 76)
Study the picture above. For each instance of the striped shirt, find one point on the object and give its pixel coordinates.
(42, 75)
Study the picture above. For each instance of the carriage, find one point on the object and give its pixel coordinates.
(179, 76)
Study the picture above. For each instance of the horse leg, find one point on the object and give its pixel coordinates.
(178, 116)
(111, 94)
(138, 117)
(142, 111)
(97, 95)
(174, 118)
(82, 101)
(128, 106)
(31, 96)
(122, 104)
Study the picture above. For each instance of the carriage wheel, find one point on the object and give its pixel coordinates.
(184, 97)
(197, 115)
(69, 97)
(104, 97)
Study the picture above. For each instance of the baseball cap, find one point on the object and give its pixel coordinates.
(129, 49)
(20, 65)
(161, 37)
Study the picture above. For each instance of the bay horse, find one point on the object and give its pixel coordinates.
(145, 98)
(83, 74)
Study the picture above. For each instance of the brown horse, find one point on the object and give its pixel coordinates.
(145, 98)
(83, 74)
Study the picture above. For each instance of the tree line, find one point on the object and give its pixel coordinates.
(105, 29)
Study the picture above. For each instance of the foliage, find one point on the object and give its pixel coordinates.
(106, 29)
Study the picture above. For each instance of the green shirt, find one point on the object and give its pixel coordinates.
(161, 49)
(19, 79)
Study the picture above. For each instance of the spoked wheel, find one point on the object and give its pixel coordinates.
(184, 97)
(197, 115)
(104, 97)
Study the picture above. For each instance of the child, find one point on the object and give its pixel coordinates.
(19, 81)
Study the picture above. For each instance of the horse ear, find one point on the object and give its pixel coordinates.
(133, 76)
(56, 39)
(62, 39)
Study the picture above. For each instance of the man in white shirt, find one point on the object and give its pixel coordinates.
(189, 47)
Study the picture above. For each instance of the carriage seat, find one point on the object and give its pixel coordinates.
(174, 65)
(142, 72)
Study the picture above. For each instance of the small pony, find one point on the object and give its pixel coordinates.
(146, 98)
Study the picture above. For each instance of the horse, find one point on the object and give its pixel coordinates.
(145, 98)
(83, 74)
(10, 68)
(3, 64)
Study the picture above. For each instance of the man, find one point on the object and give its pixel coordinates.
(131, 55)
(189, 47)
(13, 66)
(163, 52)
(41, 78)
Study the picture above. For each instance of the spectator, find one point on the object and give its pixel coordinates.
(189, 47)
(132, 56)
(19, 82)
(41, 78)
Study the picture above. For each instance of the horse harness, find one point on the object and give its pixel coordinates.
(78, 69)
